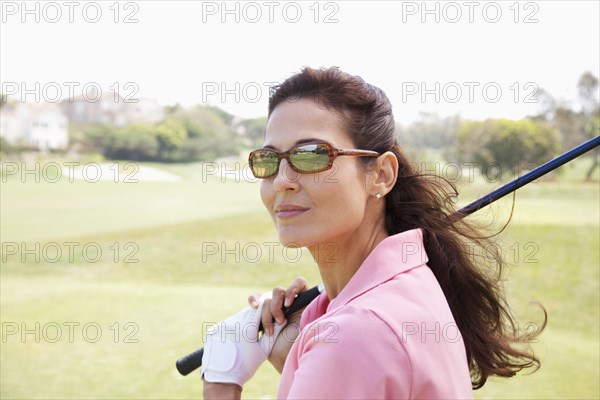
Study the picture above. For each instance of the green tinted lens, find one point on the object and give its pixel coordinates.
(264, 163)
(310, 157)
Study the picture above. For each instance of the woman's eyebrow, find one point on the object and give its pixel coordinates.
(307, 140)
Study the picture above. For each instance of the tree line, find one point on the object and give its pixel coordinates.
(558, 126)
(204, 133)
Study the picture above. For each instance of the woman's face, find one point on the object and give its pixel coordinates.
(323, 207)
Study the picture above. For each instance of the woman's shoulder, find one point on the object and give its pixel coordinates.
(409, 313)
(392, 307)
(412, 296)
(350, 352)
(349, 326)
(399, 334)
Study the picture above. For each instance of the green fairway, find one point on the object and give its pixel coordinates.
(45, 210)
(176, 256)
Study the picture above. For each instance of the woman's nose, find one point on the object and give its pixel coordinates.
(286, 178)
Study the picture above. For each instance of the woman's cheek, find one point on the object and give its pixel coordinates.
(266, 194)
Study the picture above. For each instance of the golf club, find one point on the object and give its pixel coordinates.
(192, 361)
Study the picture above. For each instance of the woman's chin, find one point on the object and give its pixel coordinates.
(294, 239)
(292, 243)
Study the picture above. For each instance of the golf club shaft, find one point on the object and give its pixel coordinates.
(192, 361)
(530, 176)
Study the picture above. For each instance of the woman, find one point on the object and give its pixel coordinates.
(406, 311)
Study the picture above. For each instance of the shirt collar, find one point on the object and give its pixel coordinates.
(392, 256)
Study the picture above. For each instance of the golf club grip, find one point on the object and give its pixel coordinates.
(188, 363)
(192, 361)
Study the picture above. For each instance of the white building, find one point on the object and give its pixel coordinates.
(144, 111)
(43, 126)
(10, 125)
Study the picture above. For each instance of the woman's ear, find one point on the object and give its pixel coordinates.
(385, 173)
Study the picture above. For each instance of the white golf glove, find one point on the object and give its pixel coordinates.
(233, 352)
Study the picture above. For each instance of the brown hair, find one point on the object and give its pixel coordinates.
(475, 295)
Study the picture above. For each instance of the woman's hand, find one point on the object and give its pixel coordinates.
(234, 349)
(272, 309)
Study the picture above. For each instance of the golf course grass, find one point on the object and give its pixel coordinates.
(129, 275)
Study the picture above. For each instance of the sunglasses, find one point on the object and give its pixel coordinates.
(304, 158)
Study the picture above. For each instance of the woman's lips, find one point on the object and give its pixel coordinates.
(289, 214)
(289, 211)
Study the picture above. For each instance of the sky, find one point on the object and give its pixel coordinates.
(478, 59)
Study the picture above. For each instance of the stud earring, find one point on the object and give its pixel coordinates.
(378, 195)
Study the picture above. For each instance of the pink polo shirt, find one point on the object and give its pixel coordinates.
(389, 334)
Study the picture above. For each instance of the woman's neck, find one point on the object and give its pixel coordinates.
(339, 260)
